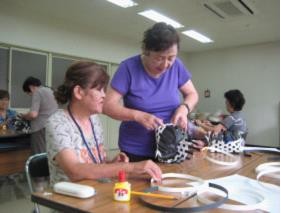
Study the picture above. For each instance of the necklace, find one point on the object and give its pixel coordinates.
(84, 140)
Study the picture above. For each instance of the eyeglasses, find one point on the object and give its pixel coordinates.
(160, 59)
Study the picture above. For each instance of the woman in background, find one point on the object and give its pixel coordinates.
(6, 115)
(235, 122)
(43, 104)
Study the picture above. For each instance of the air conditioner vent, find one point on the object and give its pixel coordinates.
(230, 8)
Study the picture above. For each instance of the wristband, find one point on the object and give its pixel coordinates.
(187, 107)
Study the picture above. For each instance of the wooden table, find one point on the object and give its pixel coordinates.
(14, 151)
(103, 200)
(6, 134)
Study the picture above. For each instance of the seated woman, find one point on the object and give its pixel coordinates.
(74, 135)
(235, 122)
(6, 115)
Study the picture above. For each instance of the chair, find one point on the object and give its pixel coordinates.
(36, 167)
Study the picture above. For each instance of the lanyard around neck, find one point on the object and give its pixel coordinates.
(84, 140)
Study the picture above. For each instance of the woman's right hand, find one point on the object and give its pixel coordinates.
(148, 167)
(121, 157)
(149, 121)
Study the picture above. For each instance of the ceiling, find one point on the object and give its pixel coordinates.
(99, 17)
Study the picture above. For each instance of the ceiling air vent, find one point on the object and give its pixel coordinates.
(230, 8)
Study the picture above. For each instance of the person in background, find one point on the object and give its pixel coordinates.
(43, 104)
(149, 85)
(235, 122)
(74, 135)
(6, 115)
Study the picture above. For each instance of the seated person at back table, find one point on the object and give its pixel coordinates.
(74, 135)
(6, 115)
(234, 101)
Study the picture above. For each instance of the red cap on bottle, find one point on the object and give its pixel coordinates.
(122, 176)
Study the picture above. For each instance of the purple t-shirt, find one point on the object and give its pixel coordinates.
(158, 96)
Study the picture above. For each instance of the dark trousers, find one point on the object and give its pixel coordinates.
(38, 142)
(136, 158)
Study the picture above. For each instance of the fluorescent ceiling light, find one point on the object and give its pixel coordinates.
(123, 3)
(197, 36)
(158, 17)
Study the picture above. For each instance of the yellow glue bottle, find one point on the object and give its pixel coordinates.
(122, 189)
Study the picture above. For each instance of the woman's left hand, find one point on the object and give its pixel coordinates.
(180, 117)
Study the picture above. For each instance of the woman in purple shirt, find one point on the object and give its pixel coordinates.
(149, 85)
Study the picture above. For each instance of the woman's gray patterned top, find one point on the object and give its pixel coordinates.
(62, 133)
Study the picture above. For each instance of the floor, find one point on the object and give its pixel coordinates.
(15, 195)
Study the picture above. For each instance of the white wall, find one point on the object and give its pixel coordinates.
(252, 69)
(33, 32)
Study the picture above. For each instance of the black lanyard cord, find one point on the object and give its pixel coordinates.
(96, 140)
(84, 140)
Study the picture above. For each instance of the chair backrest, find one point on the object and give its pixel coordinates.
(36, 166)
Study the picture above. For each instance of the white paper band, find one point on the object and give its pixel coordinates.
(234, 161)
(270, 169)
(252, 148)
(198, 182)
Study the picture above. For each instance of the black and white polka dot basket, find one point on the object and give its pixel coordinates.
(233, 146)
(172, 144)
(21, 125)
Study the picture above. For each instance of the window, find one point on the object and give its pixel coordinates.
(25, 64)
(59, 67)
(4, 68)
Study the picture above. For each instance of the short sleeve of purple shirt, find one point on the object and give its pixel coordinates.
(158, 96)
(121, 79)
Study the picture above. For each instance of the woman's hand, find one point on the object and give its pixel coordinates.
(198, 122)
(148, 167)
(121, 157)
(199, 144)
(149, 121)
(180, 117)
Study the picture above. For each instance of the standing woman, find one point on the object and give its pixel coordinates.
(149, 85)
(43, 104)
(74, 135)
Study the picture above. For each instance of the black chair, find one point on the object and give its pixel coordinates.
(36, 167)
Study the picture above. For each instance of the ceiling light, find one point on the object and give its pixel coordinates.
(158, 17)
(123, 3)
(197, 36)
